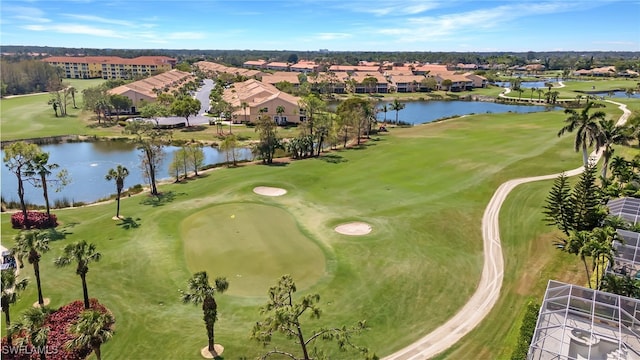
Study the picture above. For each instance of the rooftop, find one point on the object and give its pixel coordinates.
(583, 324)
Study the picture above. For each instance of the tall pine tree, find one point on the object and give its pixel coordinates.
(586, 199)
(559, 210)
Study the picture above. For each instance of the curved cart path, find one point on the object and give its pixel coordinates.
(488, 291)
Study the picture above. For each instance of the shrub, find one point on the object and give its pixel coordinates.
(59, 335)
(526, 331)
(37, 220)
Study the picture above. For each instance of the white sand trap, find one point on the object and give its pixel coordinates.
(269, 191)
(353, 228)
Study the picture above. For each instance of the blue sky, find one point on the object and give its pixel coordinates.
(344, 25)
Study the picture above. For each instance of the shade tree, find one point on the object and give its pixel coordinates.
(283, 314)
(150, 141)
(38, 173)
(17, 158)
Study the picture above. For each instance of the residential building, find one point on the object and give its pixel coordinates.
(281, 76)
(458, 82)
(147, 90)
(255, 64)
(381, 86)
(305, 66)
(214, 69)
(252, 98)
(110, 67)
(407, 83)
(477, 80)
(277, 66)
(576, 323)
(353, 68)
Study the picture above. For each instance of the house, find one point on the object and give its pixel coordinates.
(147, 90)
(430, 69)
(255, 64)
(477, 80)
(278, 66)
(353, 68)
(213, 69)
(381, 86)
(110, 67)
(253, 98)
(329, 82)
(579, 323)
(407, 83)
(459, 82)
(281, 76)
(305, 66)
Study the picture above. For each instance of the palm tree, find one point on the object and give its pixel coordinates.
(31, 243)
(280, 111)
(397, 106)
(32, 324)
(41, 169)
(72, 91)
(244, 106)
(384, 109)
(532, 90)
(201, 292)
(620, 168)
(587, 129)
(621, 285)
(93, 329)
(10, 294)
(577, 244)
(118, 174)
(82, 253)
(540, 92)
(601, 249)
(610, 135)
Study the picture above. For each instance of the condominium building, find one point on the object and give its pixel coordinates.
(110, 67)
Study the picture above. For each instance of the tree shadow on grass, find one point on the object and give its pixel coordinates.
(57, 234)
(277, 163)
(129, 223)
(194, 128)
(160, 199)
(332, 158)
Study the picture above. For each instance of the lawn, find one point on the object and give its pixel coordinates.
(423, 189)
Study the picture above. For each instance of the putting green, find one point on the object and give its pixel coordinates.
(252, 245)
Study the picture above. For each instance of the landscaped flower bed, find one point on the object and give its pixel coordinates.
(37, 220)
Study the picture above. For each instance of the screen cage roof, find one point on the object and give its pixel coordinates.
(627, 208)
(583, 324)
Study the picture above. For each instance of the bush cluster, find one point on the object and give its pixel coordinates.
(37, 220)
(59, 323)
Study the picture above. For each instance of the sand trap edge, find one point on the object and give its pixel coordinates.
(356, 228)
(269, 191)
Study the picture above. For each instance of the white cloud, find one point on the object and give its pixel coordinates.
(98, 19)
(391, 7)
(75, 29)
(332, 36)
(24, 13)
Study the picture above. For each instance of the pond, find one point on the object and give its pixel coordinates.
(87, 164)
(617, 94)
(526, 84)
(418, 112)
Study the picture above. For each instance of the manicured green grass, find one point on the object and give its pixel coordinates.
(423, 189)
(218, 240)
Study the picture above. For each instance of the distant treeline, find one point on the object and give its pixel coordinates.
(553, 60)
(25, 77)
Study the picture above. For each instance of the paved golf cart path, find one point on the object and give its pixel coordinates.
(488, 291)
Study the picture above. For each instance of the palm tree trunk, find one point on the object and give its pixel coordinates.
(7, 320)
(118, 204)
(85, 292)
(45, 193)
(585, 155)
(36, 273)
(96, 350)
(586, 267)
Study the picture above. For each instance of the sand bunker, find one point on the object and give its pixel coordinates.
(354, 228)
(269, 191)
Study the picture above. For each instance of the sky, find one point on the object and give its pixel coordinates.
(336, 25)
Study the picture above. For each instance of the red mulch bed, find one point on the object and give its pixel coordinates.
(59, 323)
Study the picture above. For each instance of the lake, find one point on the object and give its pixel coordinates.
(87, 164)
(418, 112)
